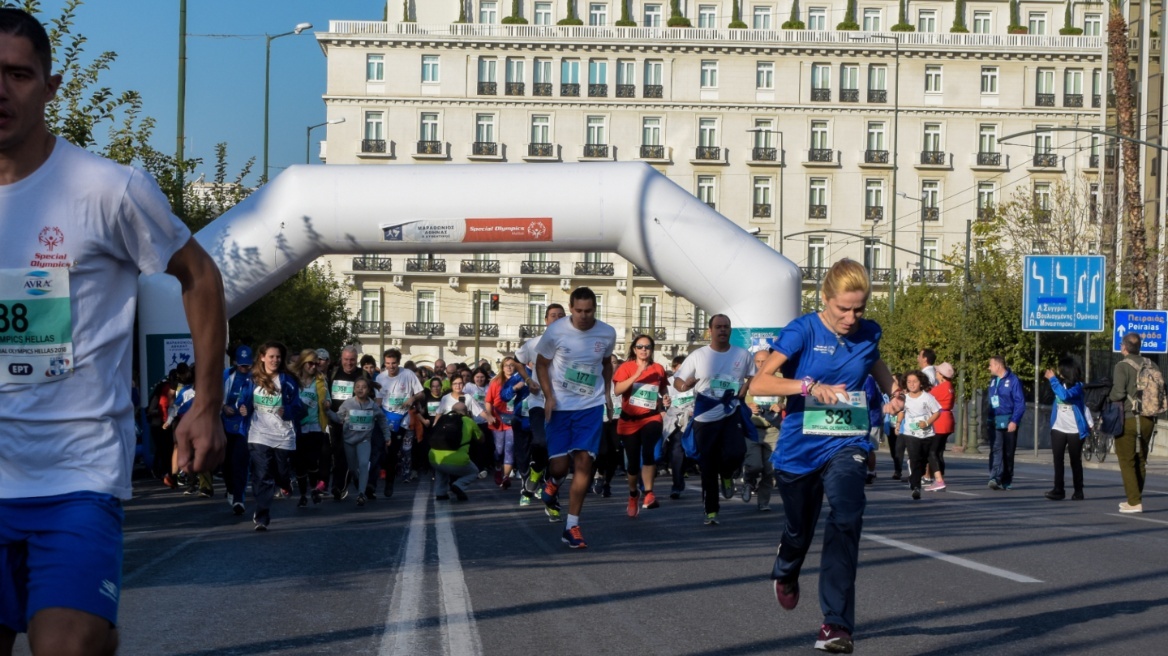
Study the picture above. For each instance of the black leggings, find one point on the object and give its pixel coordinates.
(306, 460)
(896, 447)
(918, 457)
(1061, 443)
(641, 447)
(937, 452)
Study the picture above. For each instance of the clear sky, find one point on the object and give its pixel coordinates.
(225, 74)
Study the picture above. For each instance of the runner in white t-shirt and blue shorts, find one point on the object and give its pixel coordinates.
(574, 366)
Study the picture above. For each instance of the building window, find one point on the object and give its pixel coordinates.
(878, 78)
(932, 79)
(429, 127)
(541, 129)
(430, 68)
(850, 77)
(536, 308)
(989, 79)
(1037, 20)
(542, 71)
(762, 191)
(626, 72)
(932, 137)
(485, 128)
(651, 131)
(543, 13)
(873, 254)
(986, 199)
(653, 16)
(982, 22)
(489, 12)
(708, 132)
(653, 72)
(764, 133)
(709, 74)
(876, 137)
(927, 20)
(596, 133)
(1042, 195)
(987, 139)
(819, 136)
(427, 306)
(370, 305)
(873, 198)
(820, 82)
(932, 252)
(598, 14)
(872, 20)
(1093, 209)
(707, 16)
(570, 71)
(817, 252)
(599, 314)
(930, 197)
(707, 190)
(1044, 141)
(515, 70)
(488, 69)
(1045, 81)
(375, 68)
(762, 18)
(1092, 24)
(817, 198)
(765, 75)
(1073, 82)
(817, 18)
(597, 78)
(374, 126)
(647, 317)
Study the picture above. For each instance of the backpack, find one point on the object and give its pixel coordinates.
(1150, 399)
(447, 433)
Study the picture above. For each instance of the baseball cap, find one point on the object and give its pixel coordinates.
(322, 354)
(243, 355)
(946, 370)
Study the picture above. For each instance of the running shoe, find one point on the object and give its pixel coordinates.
(834, 638)
(360, 500)
(927, 479)
(634, 506)
(871, 479)
(1008, 486)
(675, 495)
(548, 495)
(506, 484)
(727, 488)
(994, 485)
(321, 488)
(303, 503)
(170, 481)
(764, 507)
(206, 493)
(1078, 496)
(896, 476)
(711, 519)
(747, 492)
(553, 514)
(316, 495)
(1127, 508)
(916, 493)
(574, 538)
(344, 493)
(458, 493)
(650, 501)
(369, 495)
(190, 490)
(607, 491)
(787, 594)
(285, 493)
(524, 500)
(261, 527)
(598, 486)
(337, 496)
(936, 487)
(237, 508)
(498, 476)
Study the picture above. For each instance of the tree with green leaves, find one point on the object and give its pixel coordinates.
(902, 24)
(676, 19)
(572, 18)
(959, 19)
(849, 23)
(1016, 26)
(794, 23)
(736, 17)
(515, 18)
(625, 20)
(461, 12)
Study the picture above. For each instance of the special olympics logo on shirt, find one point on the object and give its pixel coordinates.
(51, 237)
(598, 347)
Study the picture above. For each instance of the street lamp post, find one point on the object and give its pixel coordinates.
(921, 200)
(895, 39)
(268, 79)
(782, 165)
(308, 137)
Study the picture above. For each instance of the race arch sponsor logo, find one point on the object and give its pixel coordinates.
(38, 283)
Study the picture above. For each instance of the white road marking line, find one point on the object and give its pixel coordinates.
(458, 622)
(963, 562)
(1135, 516)
(966, 494)
(403, 634)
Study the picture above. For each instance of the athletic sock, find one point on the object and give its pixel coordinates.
(634, 494)
(573, 520)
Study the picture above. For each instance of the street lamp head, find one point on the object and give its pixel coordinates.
(337, 121)
(300, 27)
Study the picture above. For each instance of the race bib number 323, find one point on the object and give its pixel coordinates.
(36, 326)
(840, 419)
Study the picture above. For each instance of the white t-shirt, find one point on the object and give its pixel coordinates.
(267, 426)
(100, 224)
(449, 401)
(1064, 420)
(526, 355)
(919, 409)
(479, 394)
(577, 359)
(717, 372)
(930, 372)
(396, 393)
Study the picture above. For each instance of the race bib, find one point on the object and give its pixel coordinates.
(580, 378)
(912, 425)
(312, 416)
(839, 419)
(432, 407)
(525, 407)
(342, 390)
(36, 326)
(265, 402)
(361, 420)
(393, 403)
(684, 399)
(644, 396)
(994, 401)
(764, 401)
(721, 382)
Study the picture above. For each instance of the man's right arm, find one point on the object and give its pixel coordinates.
(1119, 382)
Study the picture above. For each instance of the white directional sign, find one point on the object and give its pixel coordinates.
(1063, 293)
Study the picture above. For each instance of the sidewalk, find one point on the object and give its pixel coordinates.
(1157, 464)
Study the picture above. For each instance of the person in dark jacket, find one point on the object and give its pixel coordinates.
(1007, 405)
(1131, 447)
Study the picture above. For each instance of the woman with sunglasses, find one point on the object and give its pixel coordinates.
(310, 445)
(641, 385)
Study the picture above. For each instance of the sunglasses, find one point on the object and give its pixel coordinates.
(643, 347)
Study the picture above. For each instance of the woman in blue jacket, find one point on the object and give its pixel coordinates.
(270, 405)
(1068, 426)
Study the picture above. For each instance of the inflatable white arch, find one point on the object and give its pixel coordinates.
(626, 208)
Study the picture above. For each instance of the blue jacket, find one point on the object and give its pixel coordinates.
(233, 383)
(1073, 397)
(1011, 400)
(290, 399)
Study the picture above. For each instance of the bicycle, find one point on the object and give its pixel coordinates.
(1097, 445)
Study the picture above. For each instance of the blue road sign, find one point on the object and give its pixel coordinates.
(1152, 325)
(1063, 293)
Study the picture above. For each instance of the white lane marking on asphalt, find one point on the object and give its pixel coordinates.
(964, 494)
(461, 632)
(166, 556)
(955, 560)
(1134, 516)
(403, 634)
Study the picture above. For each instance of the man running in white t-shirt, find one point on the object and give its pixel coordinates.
(536, 453)
(400, 390)
(575, 369)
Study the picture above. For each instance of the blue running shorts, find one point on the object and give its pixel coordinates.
(574, 430)
(61, 551)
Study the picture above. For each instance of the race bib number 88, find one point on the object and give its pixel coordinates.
(36, 326)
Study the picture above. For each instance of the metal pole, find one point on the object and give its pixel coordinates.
(923, 238)
(381, 319)
(961, 444)
(782, 193)
(307, 146)
(476, 311)
(267, 96)
(180, 122)
(1036, 379)
(895, 172)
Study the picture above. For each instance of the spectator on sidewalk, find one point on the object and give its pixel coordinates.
(1007, 405)
(1131, 448)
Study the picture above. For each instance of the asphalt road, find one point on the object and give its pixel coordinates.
(965, 571)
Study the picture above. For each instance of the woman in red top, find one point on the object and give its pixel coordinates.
(943, 427)
(504, 412)
(641, 384)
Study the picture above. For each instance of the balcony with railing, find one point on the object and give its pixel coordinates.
(931, 213)
(984, 213)
(597, 90)
(514, 88)
(479, 266)
(814, 273)
(657, 333)
(593, 269)
(430, 148)
(1072, 100)
(762, 211)
(373, 145)
(1093, 161)
(825, 155)
(875, 156)
(527, 330)
(570, 90)
(488, 88)
(485, 149)
(626, 91)
(849, 95)
(1046, 160)
(817, 212)
(764, 154)
(696, 334)
(821, 95)
(641, 273)
(425, 265)
(596, 151)
(989, 159)
(880, 275)
(1095, 101)
(485, 330)
(877, 95)
(933, 158)
(1044, 99)
(708, 153)
(371, 327)
(874, 213)
(541, 150)
(936, 276)
(539, 268)
(425, 329)
(541, 89)
(372, 263)
(652, 151)
(1042, 215)
(656, 91)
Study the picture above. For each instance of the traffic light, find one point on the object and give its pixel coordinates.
(494, 302)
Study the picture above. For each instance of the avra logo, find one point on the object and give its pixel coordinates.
(38, 283)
